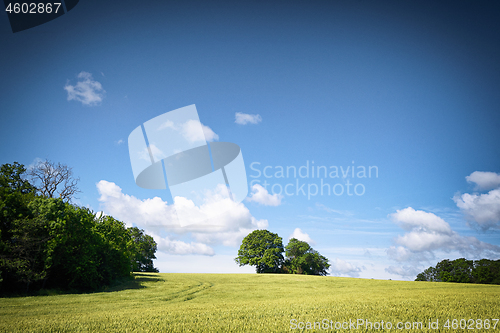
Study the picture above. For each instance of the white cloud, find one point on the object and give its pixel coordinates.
(190, 130)
(484, 180)
(302, 236)
(404, 271)
(87, 90)
(119, 142)
(409, 218)
(429, 233)
(167, 124)
(261, 195)
(220, 263)
(483, 209)
(167, 245)
(155, 215)
(157, 153)
(340, 267)
(244, 118)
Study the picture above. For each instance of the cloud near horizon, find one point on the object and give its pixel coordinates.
(427, 233)
(155, 215)
(340, 267)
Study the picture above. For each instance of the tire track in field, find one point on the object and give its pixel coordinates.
(190, 292)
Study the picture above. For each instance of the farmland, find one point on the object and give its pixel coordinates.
(256, 303)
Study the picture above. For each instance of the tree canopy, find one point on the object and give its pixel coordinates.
(264, 249)
(301, 258)
(49, 243)
(463, 271)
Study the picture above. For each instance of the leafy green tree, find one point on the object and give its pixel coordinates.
(463, 271)
(116, 248)
(15, 194)
(301, 258)
(262, 249)
(486, 271)
(143, 248)
(48, 242)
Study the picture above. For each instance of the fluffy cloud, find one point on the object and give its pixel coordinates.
(483, 209)
(260, 195)
(409, 218)
(244, 118)
(428, 233)
(155, 215)
(404, 271)
(302, 236)
(87, 90)
(190, 130)
(484, 180)
(170, 246)
(341, 267)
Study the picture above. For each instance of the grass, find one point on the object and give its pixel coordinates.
(250, 303)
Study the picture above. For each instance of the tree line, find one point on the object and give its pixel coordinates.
(48, 242)
(463, 271)
(264, 250)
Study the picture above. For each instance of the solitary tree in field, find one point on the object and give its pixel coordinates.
(54, 180)
(262, 249)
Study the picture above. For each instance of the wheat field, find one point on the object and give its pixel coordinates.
(259, 303)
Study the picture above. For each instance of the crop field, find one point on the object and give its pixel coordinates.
(259, 303)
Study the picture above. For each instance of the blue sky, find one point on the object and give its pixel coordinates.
(411, 88)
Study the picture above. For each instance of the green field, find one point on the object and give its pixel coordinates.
(253, 303)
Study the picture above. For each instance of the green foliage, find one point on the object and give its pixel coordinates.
(463, 271)
(263, 249)
(251, 303)
(301, 258)
(48, 243)
(143, 249)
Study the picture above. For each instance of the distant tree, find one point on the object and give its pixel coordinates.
(143, 248)
(262, 249)
(463, 271)
(301, 258)
(54, 180)
(486, 271)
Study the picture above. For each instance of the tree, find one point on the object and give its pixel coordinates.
(47, 242)
(54, 180)
(301, 258)
(16, 247)
(143, 249)
(463, 271)
(262, 249)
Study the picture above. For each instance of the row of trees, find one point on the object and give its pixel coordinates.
(463, 271)
(47, 242)
(264, 250)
